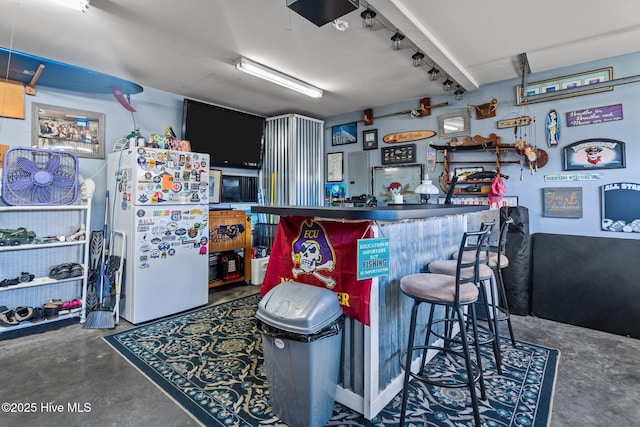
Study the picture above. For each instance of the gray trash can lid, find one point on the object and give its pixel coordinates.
(299, 308)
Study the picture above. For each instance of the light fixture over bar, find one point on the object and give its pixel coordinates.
(266, 73)
(81, 5)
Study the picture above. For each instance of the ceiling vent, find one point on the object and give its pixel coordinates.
(322, 12)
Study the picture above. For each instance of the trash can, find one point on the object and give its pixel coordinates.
(301, 327)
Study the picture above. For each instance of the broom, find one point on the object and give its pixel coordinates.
(101, 317)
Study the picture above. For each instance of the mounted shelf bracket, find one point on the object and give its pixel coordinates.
(30, 89)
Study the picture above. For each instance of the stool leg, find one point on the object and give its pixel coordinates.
(467, 357)
(428, 336)
(476, 344)
(496, 331)
(504, 303)
(407, 366)
(491, 322)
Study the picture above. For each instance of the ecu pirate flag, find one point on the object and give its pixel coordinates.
(321, 253)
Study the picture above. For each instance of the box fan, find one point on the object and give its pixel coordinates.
(39, 177)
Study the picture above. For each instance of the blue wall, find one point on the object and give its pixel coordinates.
(528, 190)
(156, 109)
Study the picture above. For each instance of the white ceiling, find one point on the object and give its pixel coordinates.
(189, 47)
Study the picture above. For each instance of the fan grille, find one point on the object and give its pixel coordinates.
(39, 177)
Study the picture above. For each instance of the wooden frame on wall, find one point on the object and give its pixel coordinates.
(590, 154)
(344, 134)
(66, 129)
(215, 185)
(566, 82)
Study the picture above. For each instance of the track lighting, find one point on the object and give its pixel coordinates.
(458, 94)
(446, 85)
(417, 58)
(368, 18)
(434, 74)
(396, 41)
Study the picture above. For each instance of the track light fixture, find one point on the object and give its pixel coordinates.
(434, 74)
(446, 85)
(368, 18)
(396, 41)
(458, 94)
(418, 59)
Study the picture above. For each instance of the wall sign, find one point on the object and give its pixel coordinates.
(373, 257)
(591, 154)
(621, 207)
(562, 202)
(589, 116)
(574, 177)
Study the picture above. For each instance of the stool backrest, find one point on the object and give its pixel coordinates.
(502, 241)
(476, 242)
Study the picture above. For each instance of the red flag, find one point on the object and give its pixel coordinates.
(321, 253)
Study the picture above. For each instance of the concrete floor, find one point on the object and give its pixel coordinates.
(598, 380)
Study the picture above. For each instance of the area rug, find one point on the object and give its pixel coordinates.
(210, 362)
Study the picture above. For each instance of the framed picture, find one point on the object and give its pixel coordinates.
(344, 134)
(389, 181)
(335, 165)
(215, 185)
(454, 124)
(566, 82)
(66, 129)
(562, 202)
(590, 154)
(370, 139)
(398, 154)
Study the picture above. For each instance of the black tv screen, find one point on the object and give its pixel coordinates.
(231, 138)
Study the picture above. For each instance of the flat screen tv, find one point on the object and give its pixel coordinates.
(231, 138)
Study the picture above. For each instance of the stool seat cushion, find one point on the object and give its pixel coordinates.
(437, 287)
(467, 256)
(449, 266)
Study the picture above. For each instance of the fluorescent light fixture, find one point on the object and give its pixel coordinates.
(81, 5)
(277, 77)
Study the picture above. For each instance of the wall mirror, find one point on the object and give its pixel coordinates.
(454, 124)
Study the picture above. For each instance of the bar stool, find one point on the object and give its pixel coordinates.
(454, 293)
(498, 260)
(485, 283)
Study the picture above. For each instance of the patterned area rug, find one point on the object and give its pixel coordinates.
(210, 361)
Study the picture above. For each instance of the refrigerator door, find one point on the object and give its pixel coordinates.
(150, 176)
(169, 267)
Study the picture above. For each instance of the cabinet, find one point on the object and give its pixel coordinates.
(229, 233)
(48, 249)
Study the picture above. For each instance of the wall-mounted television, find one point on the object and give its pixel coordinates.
(231, 138)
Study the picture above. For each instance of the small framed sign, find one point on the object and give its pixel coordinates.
(399, 154)
(370, 139)
(335, 165)
(562, 202)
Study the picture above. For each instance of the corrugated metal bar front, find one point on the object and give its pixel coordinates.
(413, 244)
(292, 168)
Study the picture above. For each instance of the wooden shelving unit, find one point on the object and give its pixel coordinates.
(230, 231)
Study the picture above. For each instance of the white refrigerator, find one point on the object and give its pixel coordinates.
(160, 200)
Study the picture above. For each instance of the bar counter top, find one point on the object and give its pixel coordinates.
(381, 213)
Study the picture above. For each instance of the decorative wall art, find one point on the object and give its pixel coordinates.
(621, 207)
(370, 139)
(68, 129)
(566, 82)
(389, 181)
(562, 202)
(344, 134)
(594, 115)
(335, 166)
(399, 154)
(454, 124)
(215, 185)
(592, 154)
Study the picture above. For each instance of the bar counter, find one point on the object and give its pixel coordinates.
(370, 373)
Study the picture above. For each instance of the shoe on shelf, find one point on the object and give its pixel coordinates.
(61, 271)
(38, 315)
(76, 270)
(7, 317)
(23, 313)
(51, 309)
(75, 306)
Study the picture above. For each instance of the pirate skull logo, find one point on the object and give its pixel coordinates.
(312, 256)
